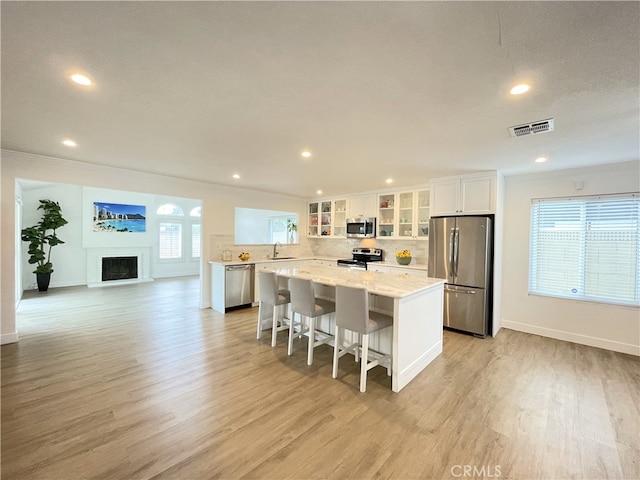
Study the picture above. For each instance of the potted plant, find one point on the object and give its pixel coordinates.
(42, 238)
(291, 228)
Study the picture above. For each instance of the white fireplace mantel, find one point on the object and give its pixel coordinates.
(94, 265)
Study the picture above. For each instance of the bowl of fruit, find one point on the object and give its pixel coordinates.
(403, 257)
(244, 256)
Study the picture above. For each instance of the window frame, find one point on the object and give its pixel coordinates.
(583, 228)
(176, 217)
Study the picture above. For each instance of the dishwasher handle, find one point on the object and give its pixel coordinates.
(240, 267)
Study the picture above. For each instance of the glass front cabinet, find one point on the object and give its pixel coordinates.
(327, 218)
(404, 214)
(313, 220)
(424, 213)
(387, 215)
(340, 218)
(399, 215)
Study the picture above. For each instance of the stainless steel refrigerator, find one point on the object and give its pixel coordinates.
(461, 251)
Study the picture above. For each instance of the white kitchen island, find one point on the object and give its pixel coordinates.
(415, 303)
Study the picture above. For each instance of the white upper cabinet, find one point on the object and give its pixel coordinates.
(313, 220)
(339, 218)
(327, 218)
(404, 214)
(362, 206)
(464, 195)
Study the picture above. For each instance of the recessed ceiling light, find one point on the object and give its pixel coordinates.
(520, 89)
(69, 143)
(306, 154)
(81, 79)
(540, 160)
(389, 180)
(236, 176)
(319, 192)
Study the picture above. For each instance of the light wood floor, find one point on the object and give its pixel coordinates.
(136, 382)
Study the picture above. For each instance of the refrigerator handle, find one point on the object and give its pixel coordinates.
(451, 254)
(456, 236)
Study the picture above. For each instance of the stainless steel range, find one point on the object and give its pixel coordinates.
(361, 256)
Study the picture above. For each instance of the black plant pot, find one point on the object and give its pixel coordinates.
(43, 280)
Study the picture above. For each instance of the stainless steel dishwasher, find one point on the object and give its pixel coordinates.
(238, 285)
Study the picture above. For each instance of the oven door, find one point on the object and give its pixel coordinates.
(353, 264)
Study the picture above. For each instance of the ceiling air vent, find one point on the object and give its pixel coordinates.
(542, 126)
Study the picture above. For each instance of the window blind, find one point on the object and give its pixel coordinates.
(170, 242)
(195, 240)
(586, 248)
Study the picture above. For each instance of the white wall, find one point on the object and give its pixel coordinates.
(218, 204)
(606, 326)
(69, 259)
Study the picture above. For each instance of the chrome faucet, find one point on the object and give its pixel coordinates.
(275, 252)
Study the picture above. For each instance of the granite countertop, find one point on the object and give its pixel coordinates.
(385, 263)
(237, 261)
(380, 283)
(394, 263)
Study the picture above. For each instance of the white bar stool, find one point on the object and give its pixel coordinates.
(274, 296)
(305, 303)
(352, 313)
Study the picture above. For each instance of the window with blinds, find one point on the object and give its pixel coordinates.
(170, 241)
(195, 240)
(586, 248)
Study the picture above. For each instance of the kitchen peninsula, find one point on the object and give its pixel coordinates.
(416, 304)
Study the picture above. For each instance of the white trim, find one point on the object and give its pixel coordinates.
(115, 283)
(8, 338)
(573, 337)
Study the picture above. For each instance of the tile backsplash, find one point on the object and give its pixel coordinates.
(320, 247)
(341, 248)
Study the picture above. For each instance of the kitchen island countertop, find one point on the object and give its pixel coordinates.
(379, 283)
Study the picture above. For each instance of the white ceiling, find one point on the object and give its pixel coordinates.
(409, 90)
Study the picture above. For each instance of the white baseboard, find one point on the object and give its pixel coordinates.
(8, 338)
(573, 337)
(115, 283)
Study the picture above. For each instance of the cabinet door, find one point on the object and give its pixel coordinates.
(377, 268)
(411, 272)
(362, 206)
(387, 215)
(340, 218)
(314, 219)
(477, 195)
(326, 217)
(423, 213)
(406, 214)
(444, 197)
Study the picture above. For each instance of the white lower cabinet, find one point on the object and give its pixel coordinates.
(412, 272)
(377, 268)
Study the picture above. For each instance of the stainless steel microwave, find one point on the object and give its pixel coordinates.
(361, 227)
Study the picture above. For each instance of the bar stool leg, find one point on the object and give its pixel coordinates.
(291, 332)
(274, 328)
(364, 359)
(336, 348)
(312, 340)
(259, 332)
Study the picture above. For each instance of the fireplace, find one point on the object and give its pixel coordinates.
(119, 268)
